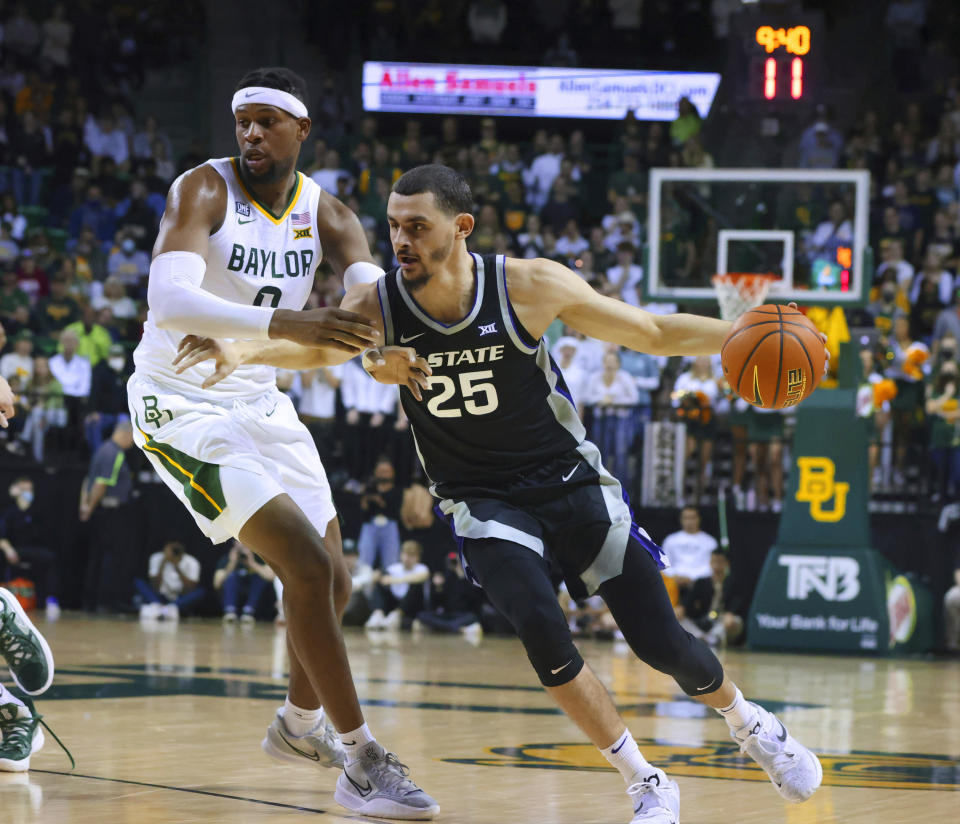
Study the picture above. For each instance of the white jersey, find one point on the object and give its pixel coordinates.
(255, 258)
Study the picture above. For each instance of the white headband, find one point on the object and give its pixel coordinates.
(269, 97)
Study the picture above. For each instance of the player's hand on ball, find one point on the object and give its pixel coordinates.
(194, 349)
(398, 365)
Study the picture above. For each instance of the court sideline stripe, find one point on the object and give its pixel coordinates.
(205, 792)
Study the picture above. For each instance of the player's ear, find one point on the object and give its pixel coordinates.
(464, 224)
(303, 128)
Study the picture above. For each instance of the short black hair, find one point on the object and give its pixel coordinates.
(449, 187)
(276, 77)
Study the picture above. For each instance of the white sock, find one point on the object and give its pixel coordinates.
(299, 721)
(7, 697)
(356, 740)
(624, 754)
(740, 713)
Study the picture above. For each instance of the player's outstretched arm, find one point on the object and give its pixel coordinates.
(542, 290)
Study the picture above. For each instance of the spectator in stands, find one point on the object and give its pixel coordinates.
(129, 264)
(455, 603)
(687, 123)
(104, 496)
(318, 401)
(625, 277)
(571, 243)
(835, 231)
(25, 545)
(943, 413)
(33, 154)
(612, 394)
(93, 339)
(107, 139)
(370, 407)
(108, 396)
(627, 189)
(574, 375)
(145, 141)
(44, 404)
(933, 271)
(14, 302)
(73, 372)
(93, 213)
(530, 241)
(487, 19)
(891, 255)
(560, 208)
(241, 572)
(174, 585)
(16, 367)
(823, 152)
(947, 325)
(951, 611)
(543, 171)
(379, 543)
(31, 278)
(399, 596)
(645, 371)
(330, 172)
(136, 218)
(694, 398)
(9, 248)
(907, 366)
(57, 310)
(765, 445)
(164, 166)
(689, 550)
(709, 610)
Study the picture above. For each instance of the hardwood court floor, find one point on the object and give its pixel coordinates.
(165, 724)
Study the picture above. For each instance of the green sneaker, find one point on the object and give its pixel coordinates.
(22, 736)
(26, 651)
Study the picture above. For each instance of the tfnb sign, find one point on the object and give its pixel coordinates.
(832, 578)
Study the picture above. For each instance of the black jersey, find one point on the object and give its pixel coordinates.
(497, 406)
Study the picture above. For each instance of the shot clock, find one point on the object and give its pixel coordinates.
(775, 58)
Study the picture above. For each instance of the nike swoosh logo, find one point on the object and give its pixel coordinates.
(615, 751)
(242, 222)
(555, 671)
(405, 339)
(364, 791)
(569, 475)
(272, 410)
(314, 756)
(250, 94)
(701, 689)
(783, 733)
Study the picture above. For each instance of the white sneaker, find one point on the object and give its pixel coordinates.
(229, 617)
(474, 630)
(656, 800)
(393, 620)
(322, 746)
(375, 621)
(376, 785)
(170, 612)
(794, 770)
(149, 612)
(52, 609)
(247, 618)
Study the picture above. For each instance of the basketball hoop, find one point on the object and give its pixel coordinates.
(739, 291)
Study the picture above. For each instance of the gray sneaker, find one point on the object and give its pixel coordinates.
(321, 747)
(794, 770)
(23, 647)
(376, 785)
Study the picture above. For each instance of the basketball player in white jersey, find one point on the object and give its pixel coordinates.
(235, 258)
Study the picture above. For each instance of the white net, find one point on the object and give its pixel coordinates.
(736, 293)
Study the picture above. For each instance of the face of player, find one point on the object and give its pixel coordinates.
(423, 236)
(269, 140)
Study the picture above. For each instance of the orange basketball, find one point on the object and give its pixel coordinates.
(773, 356)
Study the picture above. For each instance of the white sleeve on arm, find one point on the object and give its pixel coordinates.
(177, 302)
(361, 272)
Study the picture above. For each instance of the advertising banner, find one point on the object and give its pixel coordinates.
(442, 88)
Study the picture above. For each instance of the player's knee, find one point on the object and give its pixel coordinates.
(306, 564)
(549, 645)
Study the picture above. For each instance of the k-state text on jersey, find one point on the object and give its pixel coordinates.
(482, 354)
(262, 263)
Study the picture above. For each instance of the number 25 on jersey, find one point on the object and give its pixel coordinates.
(478, 396)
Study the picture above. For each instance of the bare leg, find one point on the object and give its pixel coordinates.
(588, 704)
(281, 534)
(301, 691)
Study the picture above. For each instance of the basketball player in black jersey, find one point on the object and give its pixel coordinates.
(524, 491)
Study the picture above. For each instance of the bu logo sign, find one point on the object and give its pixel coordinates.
(832, 578)
(817, 487)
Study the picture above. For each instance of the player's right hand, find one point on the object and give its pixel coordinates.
(194, 349)
(326, 328)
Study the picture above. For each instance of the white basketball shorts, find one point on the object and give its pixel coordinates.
(225, 458)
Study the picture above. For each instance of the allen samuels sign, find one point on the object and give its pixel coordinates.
(529, 91)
